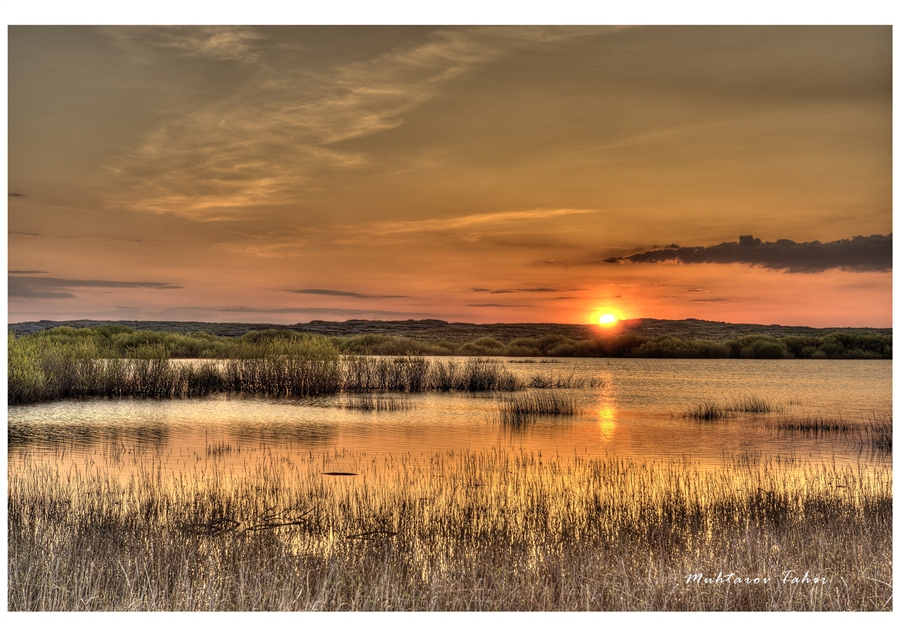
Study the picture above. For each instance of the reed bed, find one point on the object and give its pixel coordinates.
(475, 374)
(457, 531)
(716, 409)
(41, 370)
(706, 410)
(375, 402)
(753, 404)
(415, 374)
(875, 434)
(559, 381)
(519, 409)
(814, 425)
(221, 447)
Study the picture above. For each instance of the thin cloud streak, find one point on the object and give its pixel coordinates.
(495, 305)
(334, 292)
(524, 290)
(337, 311)
(45, 287)
(283, 244)
(469, 220)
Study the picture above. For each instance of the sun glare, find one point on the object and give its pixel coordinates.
(608, 320)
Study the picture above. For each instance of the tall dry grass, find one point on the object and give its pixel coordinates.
(455, 531)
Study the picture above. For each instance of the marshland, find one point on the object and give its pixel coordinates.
(287, 474)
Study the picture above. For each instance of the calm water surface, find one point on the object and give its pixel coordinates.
(635, 413)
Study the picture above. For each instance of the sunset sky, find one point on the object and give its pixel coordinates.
(479, 174)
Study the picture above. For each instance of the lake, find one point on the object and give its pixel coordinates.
(629, 408)
(433, 501)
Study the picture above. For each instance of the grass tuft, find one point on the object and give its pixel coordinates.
(875, 435)
(716, 410)
(706, 410)
(523, 408)
(374, 402)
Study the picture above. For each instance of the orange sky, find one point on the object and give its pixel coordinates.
(481, 174)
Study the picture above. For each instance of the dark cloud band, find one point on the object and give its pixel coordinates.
(858, 254)
(45, 287)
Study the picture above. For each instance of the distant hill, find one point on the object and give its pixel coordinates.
(440, 330)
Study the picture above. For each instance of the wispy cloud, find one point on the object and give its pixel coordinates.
(210, 42)
(495, 305)
(470, 220)
(524, 290)
(313, 311)
(645, 138)
(287, 241)
(858, 254)
(45, 287)
(273, 134)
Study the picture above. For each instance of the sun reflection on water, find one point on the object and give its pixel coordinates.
(606, 418)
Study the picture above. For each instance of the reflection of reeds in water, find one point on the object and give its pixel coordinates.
(814, 425)
(522, 408)
(114, 452)
(878, 434)
(715, 409)
(375, 402)
(875, 434)
(753, 404)
(491, 530)
(559, 381)
(706, 410)
(221, 447)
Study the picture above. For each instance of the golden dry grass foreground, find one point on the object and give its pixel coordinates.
(489, 530)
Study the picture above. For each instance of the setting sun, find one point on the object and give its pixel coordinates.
(608, 320)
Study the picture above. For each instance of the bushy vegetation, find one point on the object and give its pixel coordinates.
(116, 360)
(460, 531)
(125, 342)
(61, 367)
